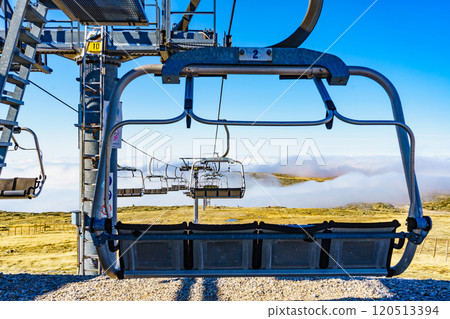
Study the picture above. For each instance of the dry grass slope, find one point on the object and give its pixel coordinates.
(55, 251)
(287, 179)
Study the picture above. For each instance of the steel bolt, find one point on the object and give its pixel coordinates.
(269, 52)
(241, 52)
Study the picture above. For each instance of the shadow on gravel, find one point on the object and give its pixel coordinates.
(22, 287)
(184, 293)
(210, 289)
(416, 289)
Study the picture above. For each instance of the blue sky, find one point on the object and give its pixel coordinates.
(405, 40)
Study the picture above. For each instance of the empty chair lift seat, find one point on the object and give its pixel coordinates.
(18, 187)
(364, 253)
(129, 192)
(158, 191)
(215, 192)
(147, 255)
(291, 253)
(216, 254)
(155, 185)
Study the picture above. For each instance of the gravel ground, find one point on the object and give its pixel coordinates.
(68, 287)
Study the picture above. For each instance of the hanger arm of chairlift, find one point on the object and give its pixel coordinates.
(228, 141)
(304, 30)
(40, 158)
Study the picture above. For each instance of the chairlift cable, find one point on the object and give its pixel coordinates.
(75, 110)
(232, 16)
(218, 116)
(221, 86)
(53, 96)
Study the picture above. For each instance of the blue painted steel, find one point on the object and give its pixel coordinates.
(230, 56)
(242, 236)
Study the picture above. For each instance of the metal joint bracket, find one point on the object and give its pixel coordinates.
(97, 224)
(172, 69)
(423, 223)
(417, 239)
(99, 240)
(189, 99)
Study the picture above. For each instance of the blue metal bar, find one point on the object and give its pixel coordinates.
(415, 209)
(243, 236)
(199, 119)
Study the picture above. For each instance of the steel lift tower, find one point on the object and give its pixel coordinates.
(98, 35)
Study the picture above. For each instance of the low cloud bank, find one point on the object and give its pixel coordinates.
(359, 179)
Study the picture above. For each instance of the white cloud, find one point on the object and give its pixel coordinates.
(361, 179)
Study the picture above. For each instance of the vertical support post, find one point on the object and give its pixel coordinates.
(195, 221)
(435, 247)
(446, 251)
(421, 246)
(99, 73)
(215, 22)
(113, 170)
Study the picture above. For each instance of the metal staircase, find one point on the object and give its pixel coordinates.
(19, 50)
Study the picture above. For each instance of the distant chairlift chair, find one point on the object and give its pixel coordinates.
(20, 187)
(154, 184)
(183, 183)
(131, 191)
(173, 182)
(217, 183)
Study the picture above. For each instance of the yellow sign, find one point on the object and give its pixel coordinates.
(94, 47)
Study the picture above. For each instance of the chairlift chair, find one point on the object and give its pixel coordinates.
(173, 182)
(216, 184)
(183, 183)
(24, 187)
(154, 184)
(157, 185)
(258, 249)
(131, 191)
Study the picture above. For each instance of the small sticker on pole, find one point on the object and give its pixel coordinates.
(94, 47)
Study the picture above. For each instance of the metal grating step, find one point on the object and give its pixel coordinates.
(41, 68)
(105, 12)
(5, 144)
(10, 101)
(27, 37)
(87, 156)
(8, 123)
(21, 58)
(34, 17)
(14, 79)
